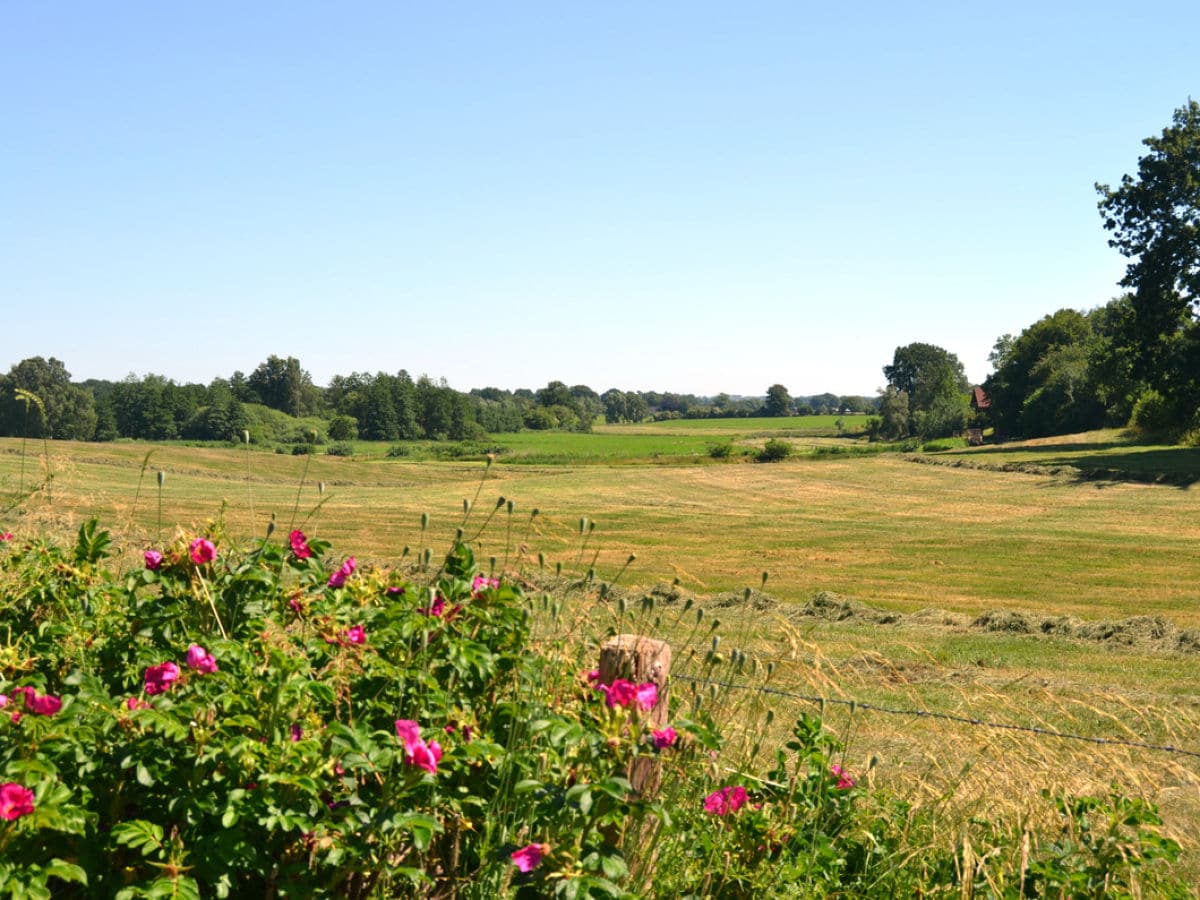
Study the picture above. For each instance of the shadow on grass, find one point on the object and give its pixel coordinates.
(1175, 466)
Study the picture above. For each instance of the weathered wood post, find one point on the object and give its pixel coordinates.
(640, 659)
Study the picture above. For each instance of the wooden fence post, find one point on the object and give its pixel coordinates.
(640, 659)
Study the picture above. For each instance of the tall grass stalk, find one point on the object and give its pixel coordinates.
(249, 491)
(299, 490)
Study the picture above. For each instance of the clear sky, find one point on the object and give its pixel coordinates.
(694, 197)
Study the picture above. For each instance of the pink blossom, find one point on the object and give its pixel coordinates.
(530, 856)
(725, 801)
(435, 609)
(338, 578)
(355, 635)
(647, 695)
(393, 591)
(38, 704)
(295, 604)
(623, 692)
(154, 560)
(844, 781)
(593, 676)
(15, 801)
(6, 536)
(203, 551)
(160, 678)
(481, 584)
(200, 659)
(299, 544)
(3, 701)
(296, 732)
(16, 717)
(620, 693)
(664, 738)
(417, 752)
(135, 703)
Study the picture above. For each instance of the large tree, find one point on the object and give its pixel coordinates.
(1155, 222)
(779, 401)
(65, 410)
(936, 385)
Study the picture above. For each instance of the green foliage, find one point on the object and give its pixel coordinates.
(935, 385)
(775, 450)
(723, 450)
(1152, 415)
(1153, 219)
(343, 428)
(37, 399)
(778, 402)
(894, 416)
(340, 449)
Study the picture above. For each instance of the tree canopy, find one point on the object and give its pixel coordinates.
(1155, 222)
(935, 383)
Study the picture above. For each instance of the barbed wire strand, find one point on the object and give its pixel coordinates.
(948, 717)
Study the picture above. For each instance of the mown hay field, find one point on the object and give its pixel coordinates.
(947, 576)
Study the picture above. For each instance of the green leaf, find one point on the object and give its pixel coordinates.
(143, 775)
(65, 871)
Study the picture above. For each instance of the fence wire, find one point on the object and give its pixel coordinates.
(948, 717)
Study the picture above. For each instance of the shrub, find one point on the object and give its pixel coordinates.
(774, 450)
(1153, 416)
(721, 451)
(398, 450)
(343, 428)
(340, 449)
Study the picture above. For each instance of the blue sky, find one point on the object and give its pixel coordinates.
(696, 197)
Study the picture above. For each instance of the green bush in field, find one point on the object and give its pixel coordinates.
(274, 720)
(774, 450)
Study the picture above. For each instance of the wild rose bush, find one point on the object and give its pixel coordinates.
(278, 720)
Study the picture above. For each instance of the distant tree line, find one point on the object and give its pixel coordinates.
(379, 406)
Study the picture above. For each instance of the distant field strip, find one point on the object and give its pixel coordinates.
(878, 528)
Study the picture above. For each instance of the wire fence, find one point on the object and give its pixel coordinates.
(948, 717)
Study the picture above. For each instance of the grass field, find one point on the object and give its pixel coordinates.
(939, 544)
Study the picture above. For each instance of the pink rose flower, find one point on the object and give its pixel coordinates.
(338, 578)
(160, 678)
(203, 551)
(664, 738)
(481, 584)
(417, 752)
(6, 536)
(355, 635)
(3, 701)
(154, 560)
(38, 704)
(647, 695)
(299, 544)
(436, 609)
(135, 703)
(725, 801)
(620, 693)
(844, 781)
(530, 856)
(15, 801)
(200, 659)
(296, 733)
